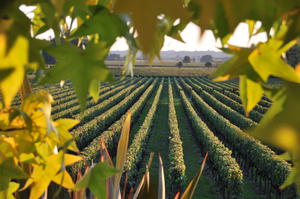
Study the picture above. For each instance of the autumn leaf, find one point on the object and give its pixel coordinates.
(145, 14)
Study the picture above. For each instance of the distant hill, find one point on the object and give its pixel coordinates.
(178, 55)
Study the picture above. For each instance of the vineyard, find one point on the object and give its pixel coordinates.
(181, 118)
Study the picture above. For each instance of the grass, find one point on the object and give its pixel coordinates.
(159, 139)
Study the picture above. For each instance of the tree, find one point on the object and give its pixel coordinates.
(206, 58)
(186, 59)
(179, 64)
(208, 64)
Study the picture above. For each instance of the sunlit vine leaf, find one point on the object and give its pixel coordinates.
(43, 175)
(250, 92)
(267, 60)
(63, 126)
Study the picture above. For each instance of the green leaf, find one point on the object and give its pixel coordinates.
(76, 7)
(59, 5)
(95, 179)
(250, 92)
(82, 67)
(36, 60)
(109, 26)
(293, 31)
(8, 171)
(206, 14)
(266, 61)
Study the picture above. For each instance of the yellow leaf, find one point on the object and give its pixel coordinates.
(40, 99)
(40, 180)
(71, 159)
(43, 175)
(16, 58)
(63, 126)
(267, 60)
(222, 78)
(250, 92)
(64, 179)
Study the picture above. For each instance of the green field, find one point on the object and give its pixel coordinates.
(181, 118)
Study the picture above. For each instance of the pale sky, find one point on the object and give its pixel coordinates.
(191, 36)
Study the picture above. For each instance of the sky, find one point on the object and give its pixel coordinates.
(190, 35)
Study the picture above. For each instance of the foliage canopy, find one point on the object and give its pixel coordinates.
(27, 132)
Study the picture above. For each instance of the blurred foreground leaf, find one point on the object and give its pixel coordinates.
(95, 179)
(82, 67)
(147, 12)
(281, 127)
